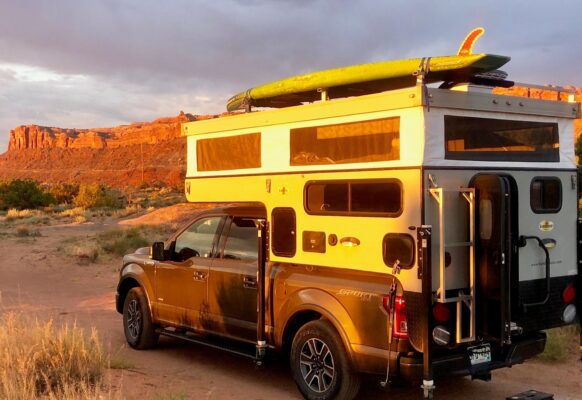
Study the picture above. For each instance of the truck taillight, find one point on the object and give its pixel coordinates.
(400, 324)
(569, 294)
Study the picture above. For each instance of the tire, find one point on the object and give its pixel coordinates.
(319, 364)
(137, 322)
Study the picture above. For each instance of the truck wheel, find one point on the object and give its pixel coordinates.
(319, 364)
(137, 323)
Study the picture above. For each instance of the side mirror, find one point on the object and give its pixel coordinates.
(157, 251)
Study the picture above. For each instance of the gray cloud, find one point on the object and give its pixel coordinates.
(142, 59)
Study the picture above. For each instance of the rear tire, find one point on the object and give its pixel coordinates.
(137, 322)
(319, 364)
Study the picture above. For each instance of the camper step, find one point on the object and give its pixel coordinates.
(246, 350)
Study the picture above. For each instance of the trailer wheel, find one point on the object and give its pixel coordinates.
(137, 323)
(320, 365)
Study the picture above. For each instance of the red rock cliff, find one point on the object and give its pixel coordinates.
(121, 156)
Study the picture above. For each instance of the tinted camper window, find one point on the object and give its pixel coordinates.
(355, 142)
(486, 139)
(546, 195)
(232, 152)
(354, 198)
(284, 237)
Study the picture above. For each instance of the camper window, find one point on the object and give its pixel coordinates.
(398, 248)
(356, 142)
(356, 198)
(545, 195)
(283, 229)
(231, 152)
(486, 139)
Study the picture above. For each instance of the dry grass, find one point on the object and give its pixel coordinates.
(73, 212)
(13, 214)
(127, 211)
(561, 343)
(39, 360)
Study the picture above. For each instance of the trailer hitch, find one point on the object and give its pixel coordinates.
(522, 242)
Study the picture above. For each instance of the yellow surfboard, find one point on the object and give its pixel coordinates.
(375, 77)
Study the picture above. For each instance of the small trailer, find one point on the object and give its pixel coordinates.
(411, 234)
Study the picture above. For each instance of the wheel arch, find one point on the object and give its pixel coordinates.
(133, 276)
(312, 304)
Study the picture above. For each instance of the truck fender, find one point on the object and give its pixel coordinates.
(133, 272)
(325, 304)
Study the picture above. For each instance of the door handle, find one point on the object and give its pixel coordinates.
(199, 276)
(249, 282)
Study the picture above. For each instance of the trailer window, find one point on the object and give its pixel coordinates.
(545, 195)
(355, 142)
(486, 139)
(232, 152)
(398, 248)
(284, 238)
(354, 198)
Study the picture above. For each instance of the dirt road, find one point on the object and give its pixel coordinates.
(38, 279)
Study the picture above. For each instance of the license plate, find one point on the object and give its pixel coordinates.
(480, 354)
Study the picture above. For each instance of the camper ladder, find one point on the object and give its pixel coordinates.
(463, 298)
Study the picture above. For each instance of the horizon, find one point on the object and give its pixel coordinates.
(116, 63)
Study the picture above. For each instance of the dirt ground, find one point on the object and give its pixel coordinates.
(38, 279)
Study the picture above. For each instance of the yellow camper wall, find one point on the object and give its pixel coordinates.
(287, 190)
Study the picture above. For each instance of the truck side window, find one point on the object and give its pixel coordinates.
(545, 194)
(197, 240)
(242, 240)
(284, 237)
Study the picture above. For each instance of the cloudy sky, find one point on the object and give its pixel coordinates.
(90, 63)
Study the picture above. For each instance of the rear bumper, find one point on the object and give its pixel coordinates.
(411, 367)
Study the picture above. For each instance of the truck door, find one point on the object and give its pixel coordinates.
(232, 286)
(496, 260)
(181, 282)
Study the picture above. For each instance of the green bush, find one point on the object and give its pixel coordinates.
(64, 193)
(98, 196)
(22, 194)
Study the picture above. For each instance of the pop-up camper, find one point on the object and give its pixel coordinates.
(410, 233)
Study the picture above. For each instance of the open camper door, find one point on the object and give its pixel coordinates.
(494, 257)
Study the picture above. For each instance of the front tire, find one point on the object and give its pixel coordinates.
(137, 323)
(320, 365)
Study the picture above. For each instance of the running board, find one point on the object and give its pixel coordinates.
(240, 349)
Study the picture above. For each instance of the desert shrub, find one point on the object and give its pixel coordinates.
(129, 210)
(64, 193)
(40, 360)
(122, 241)
(13, 213)
(23, 231)
(98, 196)
(72, 212)
(80, 219)
(84, 252)
(22, 194)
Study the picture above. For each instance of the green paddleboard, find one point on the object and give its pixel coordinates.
(363, 79)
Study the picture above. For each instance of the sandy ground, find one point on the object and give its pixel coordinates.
(36, 278)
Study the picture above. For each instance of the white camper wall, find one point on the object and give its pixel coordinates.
(434, 149)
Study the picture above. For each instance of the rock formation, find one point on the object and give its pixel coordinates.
(122, 156)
